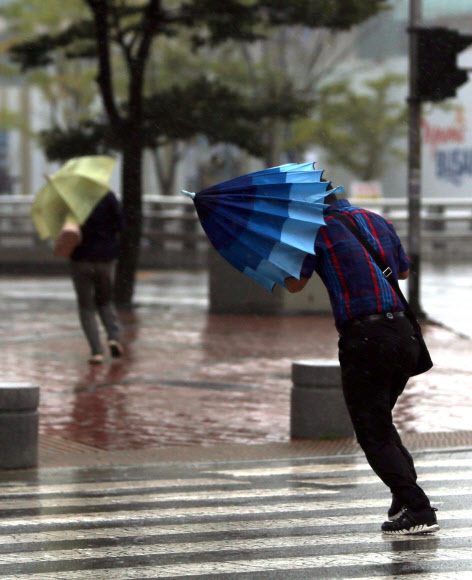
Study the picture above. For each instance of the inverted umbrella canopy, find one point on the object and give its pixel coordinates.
(265, 223)
(71, 193)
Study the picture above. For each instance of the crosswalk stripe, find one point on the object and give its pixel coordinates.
(18, 500)
(185, 512)
(228, 545)
(213, 496)
(465, 575)
(129, 517)
(207, 511)
(198, 528)
(160, 498)
(82, 487)
(370, 479)
(339, 561)
(185, 548)
(360, 465)
(106, 486)
(207, 495)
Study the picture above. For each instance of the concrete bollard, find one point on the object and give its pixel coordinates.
(318, 409)
(18, 425)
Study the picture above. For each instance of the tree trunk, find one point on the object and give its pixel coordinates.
(128, 261)
(166, 158)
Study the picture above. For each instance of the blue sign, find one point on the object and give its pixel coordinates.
(454, 165)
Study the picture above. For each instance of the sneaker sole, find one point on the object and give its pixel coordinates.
(422, 529)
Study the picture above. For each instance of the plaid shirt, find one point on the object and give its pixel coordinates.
(355, 284)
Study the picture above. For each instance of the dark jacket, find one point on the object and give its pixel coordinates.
(100, 233)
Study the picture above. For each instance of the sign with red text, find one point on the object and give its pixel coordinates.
(447, 148)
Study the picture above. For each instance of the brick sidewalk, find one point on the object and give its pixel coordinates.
(189, 378)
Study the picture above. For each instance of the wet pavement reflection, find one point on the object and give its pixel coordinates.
(189, 377)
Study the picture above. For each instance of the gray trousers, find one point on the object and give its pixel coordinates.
(93, 284)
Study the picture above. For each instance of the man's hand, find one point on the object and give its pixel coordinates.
(404, 275)
(295, 285)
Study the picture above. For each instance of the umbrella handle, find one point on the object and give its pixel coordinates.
(189, 193)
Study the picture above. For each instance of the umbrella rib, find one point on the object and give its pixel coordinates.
(244, 223)
(234, 188)
(313, 173)
(309, 207)
(283, 268)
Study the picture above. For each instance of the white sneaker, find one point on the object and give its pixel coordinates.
(96, 359)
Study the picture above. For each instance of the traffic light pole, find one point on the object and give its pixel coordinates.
(434, 76)
(414, 163)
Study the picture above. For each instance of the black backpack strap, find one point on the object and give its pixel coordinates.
(424, 362)
(386, 270)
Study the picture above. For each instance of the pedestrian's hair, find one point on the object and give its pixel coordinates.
(331, 197)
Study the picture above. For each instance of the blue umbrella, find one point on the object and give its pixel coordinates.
(265, 223)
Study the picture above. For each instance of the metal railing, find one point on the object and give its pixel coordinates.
(446, 225)
(173, 237)
(452, 216)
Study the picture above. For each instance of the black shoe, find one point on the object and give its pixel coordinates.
(116, 350)
(396, 509)
(423, 522)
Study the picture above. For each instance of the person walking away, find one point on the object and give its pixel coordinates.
(92, 265)
(377, 349)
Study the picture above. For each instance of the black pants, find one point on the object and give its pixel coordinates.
(376, 361)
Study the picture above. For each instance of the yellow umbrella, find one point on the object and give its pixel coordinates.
(71, 194)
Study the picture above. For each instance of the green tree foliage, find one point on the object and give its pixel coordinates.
(68, 86)
(358, 128)
(119, 34)
(291, 60)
